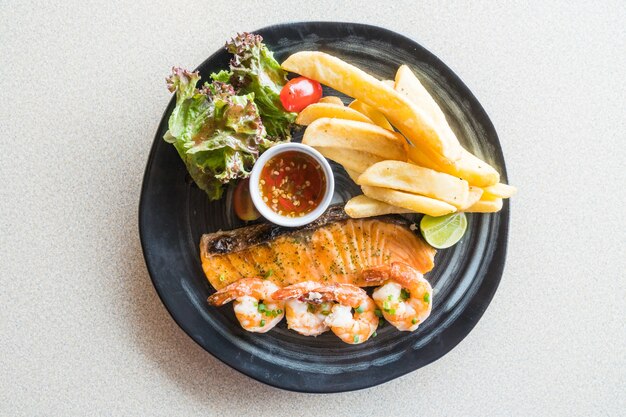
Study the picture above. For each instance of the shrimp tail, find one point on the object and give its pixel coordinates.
(221, 297)
(376, 275)
(300, 291)
(346, 294)
(245, 286)
(288, 293)
(404, 274)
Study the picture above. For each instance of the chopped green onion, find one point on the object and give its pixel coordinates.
(269, 273)
(262, 323)
(356, 338)
(378, 313)
(386, 306)
(389, 297)
(325, 312)
(427, 297)
(222, 277)
(310, 308)
(279, 311)
(392, 311)
(374, 334)
(359, 309)
(404, 294)
(414, 320)
(262, 307)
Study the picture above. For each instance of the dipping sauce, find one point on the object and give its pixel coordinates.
(292, 184)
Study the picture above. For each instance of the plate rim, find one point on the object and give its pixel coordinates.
(495, 269)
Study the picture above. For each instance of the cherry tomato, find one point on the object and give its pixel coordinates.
(299, 93)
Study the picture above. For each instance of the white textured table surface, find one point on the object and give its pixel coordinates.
(82, 331)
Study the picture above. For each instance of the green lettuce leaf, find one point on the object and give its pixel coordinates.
(253, 69)
(223, 76)
(217, 133)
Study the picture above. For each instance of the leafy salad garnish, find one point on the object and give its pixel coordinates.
(253, 69)
(220, 129)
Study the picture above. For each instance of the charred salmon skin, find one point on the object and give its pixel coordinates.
(333, 249)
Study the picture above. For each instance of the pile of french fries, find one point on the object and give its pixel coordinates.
(420, 168)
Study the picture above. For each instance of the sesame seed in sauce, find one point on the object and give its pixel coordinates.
(292, 184)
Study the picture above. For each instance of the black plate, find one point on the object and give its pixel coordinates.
(173, 214)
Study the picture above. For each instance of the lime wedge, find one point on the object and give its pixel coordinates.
(443, 231)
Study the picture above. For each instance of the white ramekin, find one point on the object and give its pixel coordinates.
(265, 210)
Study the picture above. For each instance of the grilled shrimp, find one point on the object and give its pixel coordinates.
(306, 318)
(255, 307)
(405, 298)
(351, 327)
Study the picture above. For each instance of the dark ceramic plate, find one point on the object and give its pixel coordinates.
(174, 213)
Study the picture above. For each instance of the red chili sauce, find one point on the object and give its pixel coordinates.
(292, 184)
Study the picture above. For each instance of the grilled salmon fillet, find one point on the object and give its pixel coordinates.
(334, 248)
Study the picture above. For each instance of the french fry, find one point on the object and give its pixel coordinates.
(363, 206)
(355, 161)
(403, 176)
(500, 190)
(474, 194)
(414, 123)
(331, 100)
(354, 175)
(357, 136)
(413, 202)
(409, 85)
(469, 167)
(316, 111)
(485, 205)
(374, 115)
